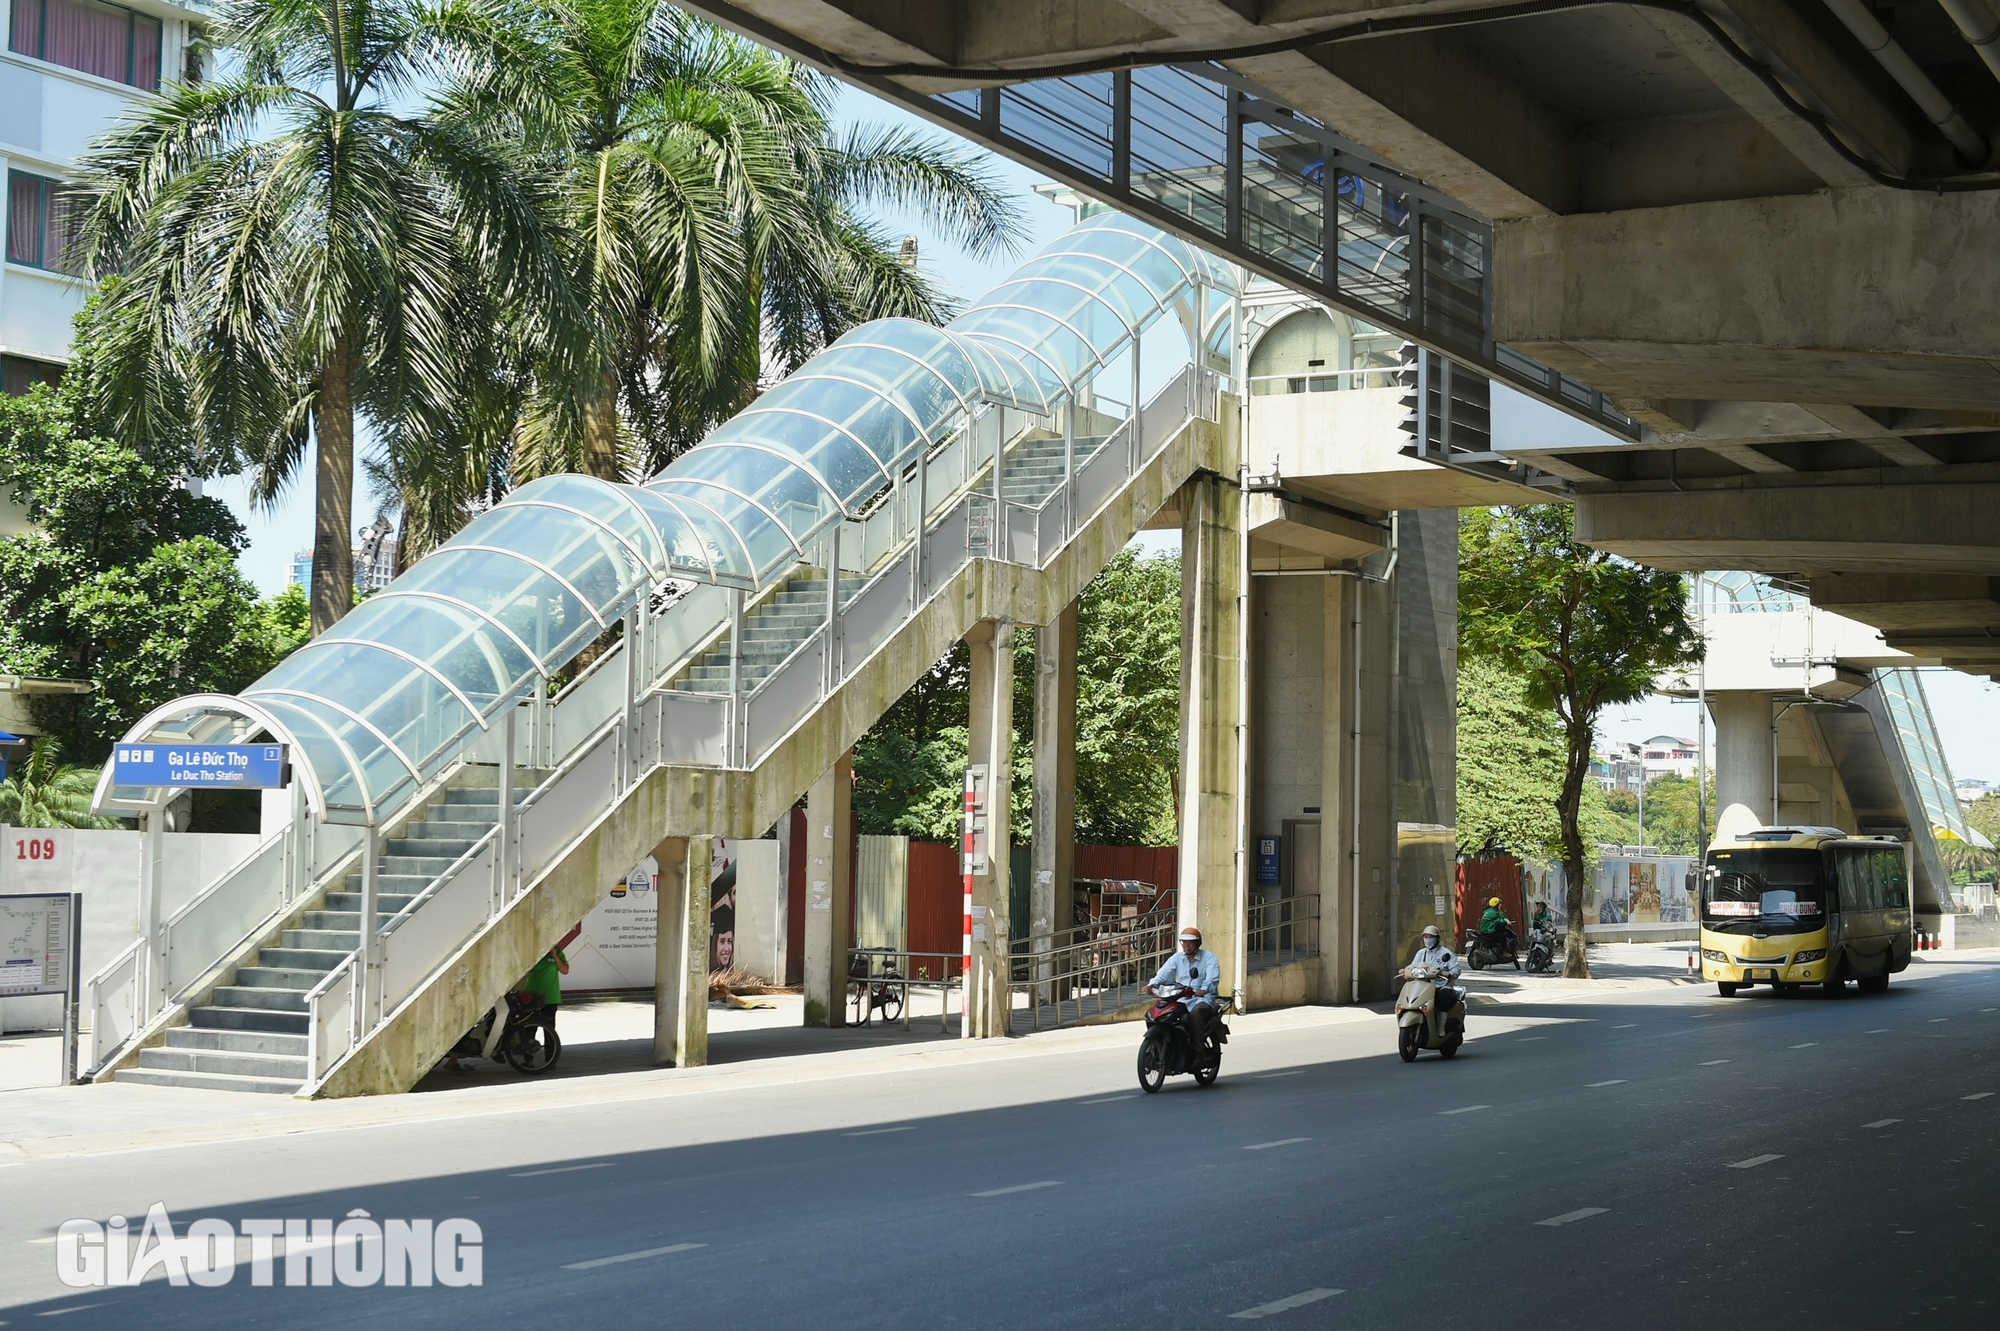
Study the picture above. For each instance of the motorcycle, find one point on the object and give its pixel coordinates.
(1419, 1023)
(1483, 950)
(1542, 949)
(1168, 1048)
(527, 1042)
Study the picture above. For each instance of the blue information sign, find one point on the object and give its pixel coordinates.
(1267, 860)
(242, 766)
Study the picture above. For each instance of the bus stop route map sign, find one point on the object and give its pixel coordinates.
(235, 766)
(35, 941)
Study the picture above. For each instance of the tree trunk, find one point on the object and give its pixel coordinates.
(600, 434)
(1576, 960)
(333, 496)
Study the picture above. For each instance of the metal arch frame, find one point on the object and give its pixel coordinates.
(714, 578)
(534, 563)
(993, 352)
(624, 496)
(749, 560)
(229, 706)
(920, 363)
(991, 395)
(1068, 384)
(805, 378)
(797, 548)
(782, 410)
(467, 606)
(593, 520)
(353, 763)
(411, 657)
(1091, 296)
(360, 773)
(791, 460)
(1089, 344)
(1106, 260)
(569, 546)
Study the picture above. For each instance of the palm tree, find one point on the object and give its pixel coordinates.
(43, 792)
(709, 215)
(295, 252)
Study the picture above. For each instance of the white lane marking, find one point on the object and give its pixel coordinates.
(1715, 1062)
(1879, 1030)
(877, 1132)
(638, 1256)
(1268, 1075)
(1809, 1044)
(1628, 1026)
(1615, 1081)
(1284, 1141)
(1755, 1161)
(1881, 1123)
(1990, 1009)
(1530, 1039)
(1936, 1020)
(1571, 1217)
(1977, 1095)
(1467, 1110)
(1108, 1100)
(1284, 1305)
(562, 1169)
(1019, 1187)
(73, 1308)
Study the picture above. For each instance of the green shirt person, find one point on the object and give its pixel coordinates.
(544, 981)
(1494, 918)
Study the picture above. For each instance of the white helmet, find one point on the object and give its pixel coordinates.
(1430, 931)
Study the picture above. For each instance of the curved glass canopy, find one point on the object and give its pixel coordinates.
(374, 702)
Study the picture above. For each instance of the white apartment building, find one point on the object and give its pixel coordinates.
(70, 68)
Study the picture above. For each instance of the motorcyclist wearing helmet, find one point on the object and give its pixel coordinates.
(1496, 926)
(1544, 920)
(1433, 953)
(1195, 969)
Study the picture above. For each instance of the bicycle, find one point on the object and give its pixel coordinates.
(872, 992)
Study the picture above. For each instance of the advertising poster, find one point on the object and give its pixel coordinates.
(615, 949)
(722, 907)
(1643, 892)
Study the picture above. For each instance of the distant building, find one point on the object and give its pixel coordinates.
(1971, 788)
(1619, 764)
(375, 551)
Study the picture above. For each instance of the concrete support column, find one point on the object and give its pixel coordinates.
(1744, 752)
(680, 957)
(1211, 578)
(829, 852)
(1338, 738)
(1049, 905)
(992, 744)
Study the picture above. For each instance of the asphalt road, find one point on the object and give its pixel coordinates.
(1663, 1158)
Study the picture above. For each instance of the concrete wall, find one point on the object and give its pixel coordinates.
(104, 867)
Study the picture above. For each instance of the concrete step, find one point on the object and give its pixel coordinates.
(212, 1081)
(248, 1019)
(403, 885)
(227, 1063)
(263, 999)
(278, 977)
(320, 940)
(313, 959)
(237, 1042)
(426, 848)
(386, 902)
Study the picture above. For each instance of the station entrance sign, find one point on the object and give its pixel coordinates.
(202, 766)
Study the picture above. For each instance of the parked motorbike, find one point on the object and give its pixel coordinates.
(1168, 1048)
(1542, 949)
(1419, 1022)
(1483, 950)
(527, 1042)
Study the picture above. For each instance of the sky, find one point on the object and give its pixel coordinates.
(1967, 708)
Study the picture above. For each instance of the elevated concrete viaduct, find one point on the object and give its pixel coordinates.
(1749, 245)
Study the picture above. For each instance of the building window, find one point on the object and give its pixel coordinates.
(18, 374)
(105, 40)
(44, 221)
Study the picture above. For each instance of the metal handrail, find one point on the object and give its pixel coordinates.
(1282, 930)
(907, 977)
(1090, 960)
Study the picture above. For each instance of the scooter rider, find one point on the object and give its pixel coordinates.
(1195, 969)
(1433, 953)
(1496, 926)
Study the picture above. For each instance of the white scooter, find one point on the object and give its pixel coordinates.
(1419, 1022)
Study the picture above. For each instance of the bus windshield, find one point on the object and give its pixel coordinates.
(1764, 891)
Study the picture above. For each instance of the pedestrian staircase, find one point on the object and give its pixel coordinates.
(251, 1033)
(837, 536)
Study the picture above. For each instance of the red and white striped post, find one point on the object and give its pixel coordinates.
(972, 863)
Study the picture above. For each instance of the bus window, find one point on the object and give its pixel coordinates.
(1891, 874)
(1764, 891)
(1860, 885)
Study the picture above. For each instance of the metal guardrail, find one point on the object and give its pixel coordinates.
(1282, 930)
(876, 973)
(1089, 964)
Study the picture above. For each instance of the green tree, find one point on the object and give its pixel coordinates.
(44, 792)
(1672, 823)
(294, 253)
(126, 579)
(1583, 629)
(709, 214)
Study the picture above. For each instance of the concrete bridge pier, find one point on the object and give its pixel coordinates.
(1745, 761)
(1049, 892)
(829, 893)
(992, 746)
(680, 958)
(1211, 892)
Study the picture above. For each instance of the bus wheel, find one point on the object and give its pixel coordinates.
(1835, 986)
(1874, 984)
(1725, 988)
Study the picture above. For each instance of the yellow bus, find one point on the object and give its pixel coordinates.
(1787, 906)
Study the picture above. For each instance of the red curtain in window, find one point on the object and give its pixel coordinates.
(93, 38)
(24, 218)
(68, 207)
(25, 35)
